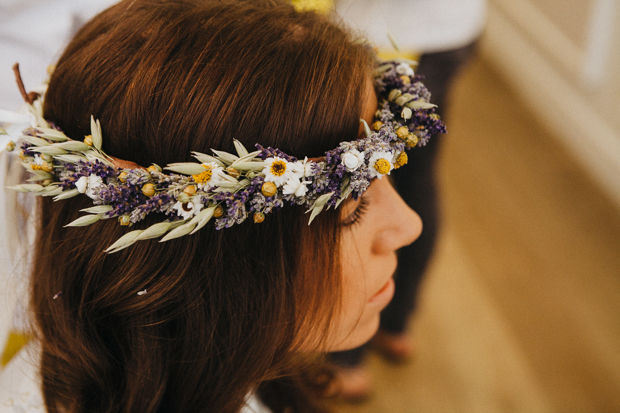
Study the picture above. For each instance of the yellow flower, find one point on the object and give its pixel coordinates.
(382, 166)
(401, 160)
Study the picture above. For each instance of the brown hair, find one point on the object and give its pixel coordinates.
(224, 309)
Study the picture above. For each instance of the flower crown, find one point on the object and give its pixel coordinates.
(224, 187)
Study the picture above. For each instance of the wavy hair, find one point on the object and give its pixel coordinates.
(225, 310)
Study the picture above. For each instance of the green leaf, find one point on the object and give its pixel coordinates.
(50, 150)
(204, 158)
(73, 146)
(381, 69)
(241, 151)
(179, 232)
(249, 166)
(225, 157)
(403, 99)
(35, 141)
(99, 209)
(202, 218)
(186, 168)
(67, 194)
(395, 93)
(95, 132)
(315, 211)
(72, 158)
(366, 128)
(84, 221)
(393, 41)
(124, 241)
(155, 231)
(18, 188)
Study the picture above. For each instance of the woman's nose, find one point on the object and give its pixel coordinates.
(402, 224)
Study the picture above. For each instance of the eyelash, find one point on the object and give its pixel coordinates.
(357, 215)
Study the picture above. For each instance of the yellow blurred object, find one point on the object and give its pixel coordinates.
(393, 54)
(15, 342)
(321, 6)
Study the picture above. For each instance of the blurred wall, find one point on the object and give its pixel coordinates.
(562, 57)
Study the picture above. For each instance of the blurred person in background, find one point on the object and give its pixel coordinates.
(441, 35)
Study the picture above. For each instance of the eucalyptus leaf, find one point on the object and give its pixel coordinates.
(322, 200)
(155, 231)
(225, 157)
(67, 194)
(124, 241)
(203, 217)
(241, 151)
(84, 221)
(99, 209)
(49, 150)
(204, 158)
(35, 141)
(73, 146)
(186, 168)
(179, 232)
(419, 104)
(95, 132)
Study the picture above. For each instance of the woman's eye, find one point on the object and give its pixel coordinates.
(357, 215)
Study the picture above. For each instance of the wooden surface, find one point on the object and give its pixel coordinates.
(520, 310)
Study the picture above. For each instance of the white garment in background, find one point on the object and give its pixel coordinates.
(33, 33)
(422, 26)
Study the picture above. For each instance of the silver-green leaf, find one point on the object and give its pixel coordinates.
(84, 221)
(67, 194)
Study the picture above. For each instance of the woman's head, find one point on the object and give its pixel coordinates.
(223, 309)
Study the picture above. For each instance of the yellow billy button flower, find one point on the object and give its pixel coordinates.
(405, 79)
(269, 189)
(122, 176)
(219, 211)
(401, 160)
(402, 132)
(148, 190)
(259, 217)
(412, 140)
(88, 140)
(203, 177)
(10, 147)
(124, 220)
(377, 126)
(190, 190)
(382, 166)
(233, 172)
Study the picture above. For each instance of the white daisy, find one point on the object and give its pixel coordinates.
(278, 170)
(87, 184)
(188, 209)
(295, 186)
(380, 163)
(352, 159)
(212, 175)
(404, 69)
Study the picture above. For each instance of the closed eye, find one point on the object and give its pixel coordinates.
(356, 216)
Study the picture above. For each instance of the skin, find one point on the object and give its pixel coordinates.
(368, 248)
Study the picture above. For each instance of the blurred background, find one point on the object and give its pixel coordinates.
(520, 308)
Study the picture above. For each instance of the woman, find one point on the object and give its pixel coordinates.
(233, 313)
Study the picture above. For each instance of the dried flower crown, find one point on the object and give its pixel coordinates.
(225, 187)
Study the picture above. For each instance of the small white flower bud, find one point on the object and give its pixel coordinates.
(81, 184)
